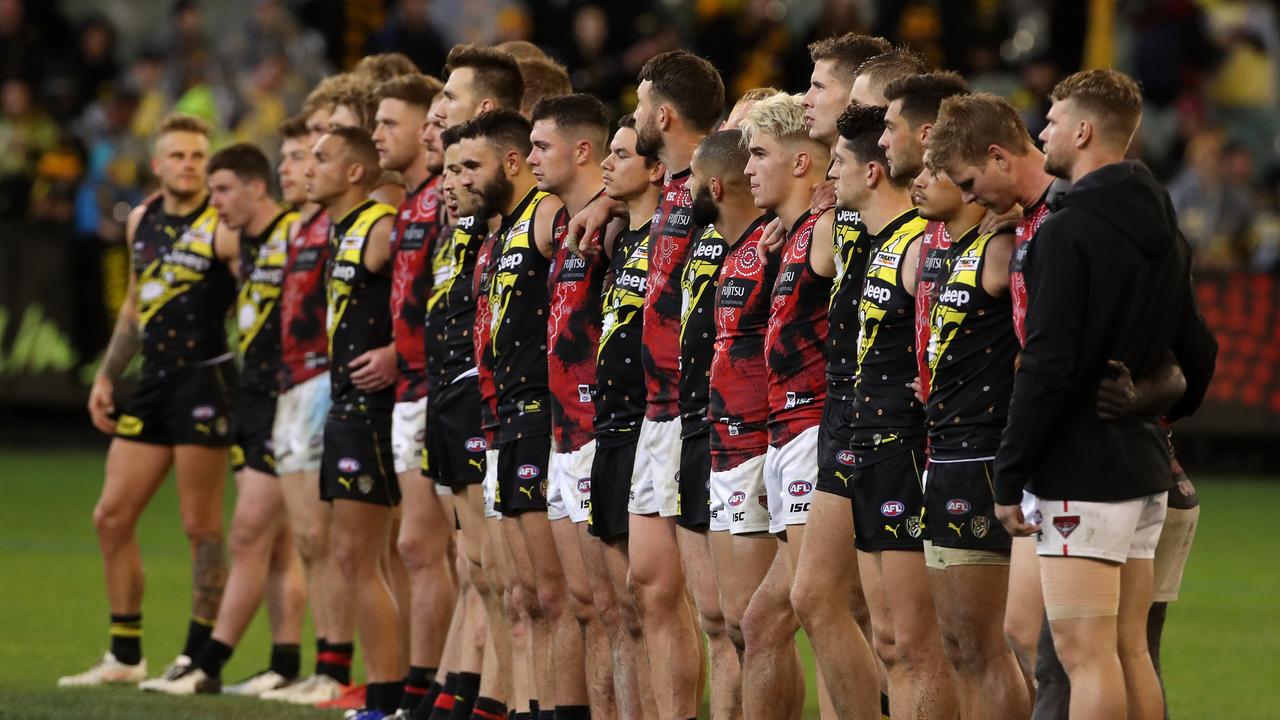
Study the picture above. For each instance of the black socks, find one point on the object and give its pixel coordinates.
(126, 638)
(416, 686)
(465, 696)
(212, 657)
(335, 661)
(384, 696)
(198, 632)
(488, 709)
(286, 660)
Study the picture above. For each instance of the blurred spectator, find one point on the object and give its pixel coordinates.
(1244, 87)
(1264, 256)
(86, 72)
(146, 82)
(116, 171)
(271, 29)
(1214, 202)
(26, 133)
(21, 49)
(409, 30)
(272, 89)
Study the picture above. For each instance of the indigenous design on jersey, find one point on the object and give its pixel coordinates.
(1026, 230)
(451, 308)
(669, 237)
(852, 242)
(620, 385)
(935, 245)
(486, 261)
(971, 350)
(184, 289)
(414, 238)
(257, 308)
(796, 340)
(519, 300)
(358, 301)
(699, 283)
(739, 409)
(573, 338)
(304, 340)
(887, 418)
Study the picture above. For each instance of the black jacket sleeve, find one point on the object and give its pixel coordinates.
(1055, 323)
(1196, 350)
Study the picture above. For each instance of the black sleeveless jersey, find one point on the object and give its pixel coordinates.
(887, 418)
(699, 283)
(262, 262)
(620, 388)
(851, 244)
(451, 307)
(971, 351)
(359, 319)
(519, 299)
(184, 290)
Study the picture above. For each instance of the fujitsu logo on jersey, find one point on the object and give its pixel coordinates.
(575, 268)
(1020, 253)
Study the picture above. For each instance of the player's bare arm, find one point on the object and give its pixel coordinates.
(822, 254)
(911, 266)
(376, 369)
(995, 267)
(544, 219)
(125, 342)
(592, 219)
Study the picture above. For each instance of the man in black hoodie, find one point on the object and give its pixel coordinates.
(1108, 280)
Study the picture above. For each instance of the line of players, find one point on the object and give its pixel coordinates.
(662, 403)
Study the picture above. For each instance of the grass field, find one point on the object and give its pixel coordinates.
(1221, 649)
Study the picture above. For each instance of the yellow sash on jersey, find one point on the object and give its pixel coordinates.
(348, 262)
(176, 270)
(945, 321)
(885, 265)
(261, 290)
(519, 235)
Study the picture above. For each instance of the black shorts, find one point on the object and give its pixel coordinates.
(454, 448)
(191, 406)
(611, 488)
(522, 475)
(888, 503)
(693, 505)
(961, 507)
(835, 459)
(357, 462)
(255, 416)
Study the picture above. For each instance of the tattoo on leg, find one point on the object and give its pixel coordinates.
(208, 577)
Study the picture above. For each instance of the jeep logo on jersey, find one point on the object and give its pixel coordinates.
(528, 472)
(510, 261)
(349, 465)
(958, 506)
(708, 251)
(796, 399)
(345, 273)
(800, 488)
(204, 412)
(893, 508)
(629, 279)
(584, 486)
(846, 458)
(737, 498)
(1066, 524)
(476, 445)
(877, 294)
(955, 296)
(848, 216)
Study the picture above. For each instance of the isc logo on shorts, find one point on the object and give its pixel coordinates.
(476, 445)
(845, 457)
(800, 488)
(349, 465)
(736, 499)
(958, 506)
(528, 472)
(893, 508)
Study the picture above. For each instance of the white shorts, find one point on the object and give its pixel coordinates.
(408, 428)
(654, 487)
(569, 484)
(491, 483)
(1172, 552)
(1113, 531)
(790, 474)
(298, 432)
(741, 492)
(719, 518)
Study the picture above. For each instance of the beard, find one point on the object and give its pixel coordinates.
(648, 139)
(495, 196)
(704, 210)
(1056, 166)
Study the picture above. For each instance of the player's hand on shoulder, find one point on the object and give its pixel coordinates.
(1005, 222)
(586, 228)
(824, 197)
(772, 238)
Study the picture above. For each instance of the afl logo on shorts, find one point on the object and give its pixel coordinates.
(737, 499)
(958, 506)
(584, 486)
(476, 445)
(527, 472)
(800, 488)
(845, 457)
(349, 465)
(204, 412)
(893, 508)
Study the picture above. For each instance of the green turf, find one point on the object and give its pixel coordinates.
(1221, 646)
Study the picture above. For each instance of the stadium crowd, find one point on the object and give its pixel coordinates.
(566, 413)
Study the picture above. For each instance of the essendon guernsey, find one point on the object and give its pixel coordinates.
(669, 239)
(934, 246)
(413, 239)
(481, 335)
(303, 341)
(573, 339)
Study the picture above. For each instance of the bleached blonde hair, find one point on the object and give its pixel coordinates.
(779, 116)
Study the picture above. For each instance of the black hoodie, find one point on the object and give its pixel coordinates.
(1109, 278)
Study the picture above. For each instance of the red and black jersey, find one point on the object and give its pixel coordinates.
(519, 300)
(413, 239)
(739, 409)
(934, 246)
(303, 340)
(1032, 218)
(573, 339)
(699, 281)
(483, 330)
(620, 385)
(970, 352)
(852, 243)
(184, 290)
(669, 239)
(358, 301)
(451, 307)
(796, 340)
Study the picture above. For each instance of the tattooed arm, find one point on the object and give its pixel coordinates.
(125, 342)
